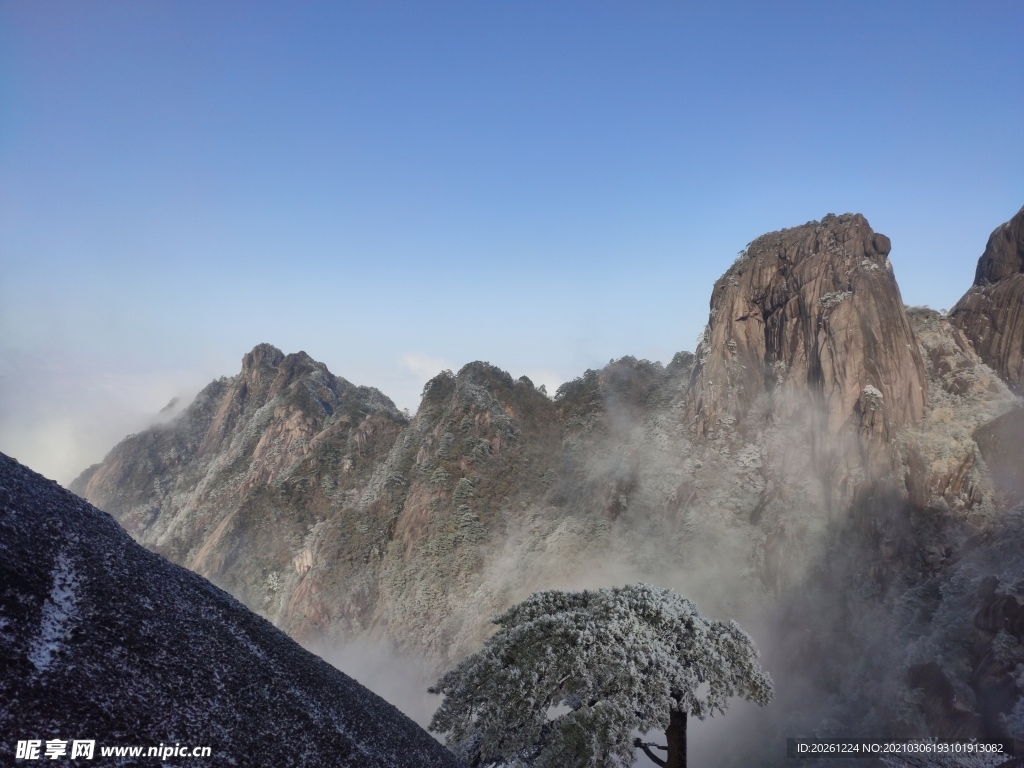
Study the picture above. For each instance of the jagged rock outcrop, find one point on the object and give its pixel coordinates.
(991, 313)
(489, 494)
(810, 318)
(234, 485)
(335, 526)
(101, 639)
(413, 535)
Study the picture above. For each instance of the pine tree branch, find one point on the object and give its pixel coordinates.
(646, 749)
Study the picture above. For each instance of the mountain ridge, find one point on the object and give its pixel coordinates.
(750, 487)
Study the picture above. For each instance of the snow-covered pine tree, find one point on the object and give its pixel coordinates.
(570, 676)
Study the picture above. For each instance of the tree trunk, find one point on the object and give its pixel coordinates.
(676, 740)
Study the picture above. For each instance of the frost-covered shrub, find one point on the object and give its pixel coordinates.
(469, 529)
(481, 449)
(834, 299)
(444, 445)
(463, 492)
(703, 345)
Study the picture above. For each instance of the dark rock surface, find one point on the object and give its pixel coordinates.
(102, 639)
(991, 313)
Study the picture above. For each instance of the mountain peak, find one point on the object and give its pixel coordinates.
(808, 314)
(480, 372)
(1004, 252)
(262, 356)
(991, 313)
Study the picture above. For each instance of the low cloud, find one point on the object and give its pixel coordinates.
(424, 366)
(58, 417)
(549, 380)
(399, 679)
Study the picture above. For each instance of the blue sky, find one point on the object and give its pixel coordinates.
(401, 187)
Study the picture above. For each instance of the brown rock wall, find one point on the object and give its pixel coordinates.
(808, 316)
(991, 313)
(943, 461)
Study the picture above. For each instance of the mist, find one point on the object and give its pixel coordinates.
(398, 678)
(840, 613)
(58, 415)
(700, 547)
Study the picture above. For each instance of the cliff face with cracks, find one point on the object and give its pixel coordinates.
(811, 313)
(807, 328)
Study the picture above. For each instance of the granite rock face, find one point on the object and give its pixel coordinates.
(991, 313)
(101, 639)
(809, 317)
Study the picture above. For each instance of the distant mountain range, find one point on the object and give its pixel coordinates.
(830, 466)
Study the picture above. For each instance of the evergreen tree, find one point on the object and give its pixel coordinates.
(570, 676)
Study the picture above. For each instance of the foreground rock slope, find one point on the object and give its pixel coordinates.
(102, 639)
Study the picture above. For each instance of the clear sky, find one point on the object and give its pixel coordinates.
(397, 188)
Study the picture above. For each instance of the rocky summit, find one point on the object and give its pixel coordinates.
(991, 313)
(104, 641)
(830, 467)
(233, 487)
(809, 316)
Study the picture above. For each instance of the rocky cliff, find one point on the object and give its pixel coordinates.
(248, 470)
(807, 332)
(103, 640)
(809, 317)
(991, 313)
(945, 464)
(820, 464)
